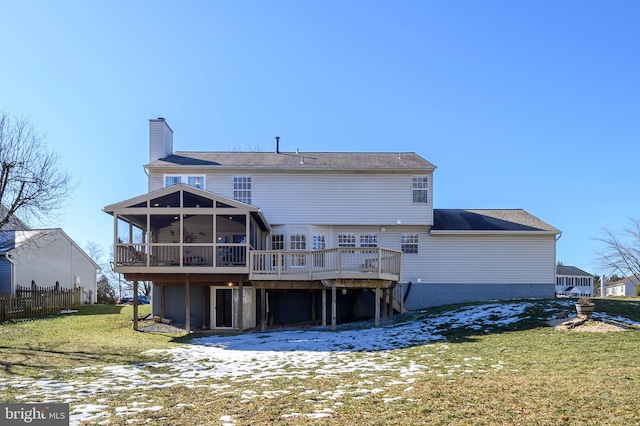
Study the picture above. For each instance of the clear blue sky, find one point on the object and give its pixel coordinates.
(520, 104)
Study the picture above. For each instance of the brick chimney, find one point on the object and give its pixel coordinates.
(160, 139)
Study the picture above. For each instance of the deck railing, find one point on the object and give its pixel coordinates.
(341, 262)
(153, 255)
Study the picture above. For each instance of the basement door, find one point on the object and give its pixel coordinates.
(222, 302)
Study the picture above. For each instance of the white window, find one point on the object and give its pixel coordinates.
(319, 241)
(346, 240)
(420, 189)
(369, 240)
(195, 181)
(277, 242)
(242, 189)
(298, 242)
(409, 243)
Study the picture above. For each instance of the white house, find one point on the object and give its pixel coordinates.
(45, 257)
(622, 288)
(573, 282)
(233, 240)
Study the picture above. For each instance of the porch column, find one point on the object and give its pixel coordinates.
(263, 307)
(204, 307)
(377, 297)
(162, 290)
(385, 303)
(135, 305)
(240, 306)
(333, 307)
(324, 307)
(391, 300)
(187, 321)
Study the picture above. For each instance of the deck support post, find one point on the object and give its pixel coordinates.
(391, 300)
(377, 315)
(263, 307)
(333, 307)
(187, 320)
(162, 291)
(204, 307)
(385, 303)
(324, 307)
(240, 306)
(135, 305)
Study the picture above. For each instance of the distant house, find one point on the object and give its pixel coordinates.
(573, 282)
(622, 288)
(45, 257)
(236, 240)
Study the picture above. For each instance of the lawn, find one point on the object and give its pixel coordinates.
(478, 364)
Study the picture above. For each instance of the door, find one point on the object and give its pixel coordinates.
(222, 313)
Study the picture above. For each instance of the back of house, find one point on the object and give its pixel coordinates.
(269, 233)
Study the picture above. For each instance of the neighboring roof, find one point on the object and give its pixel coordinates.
(10, 240)
(629, 280)
(571, 270)
(457, 220)
(343, 161)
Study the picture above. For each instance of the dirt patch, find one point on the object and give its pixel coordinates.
(592, 326)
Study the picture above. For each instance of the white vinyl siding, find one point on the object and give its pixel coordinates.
(330, 199)
(53, 258)
(486, 259)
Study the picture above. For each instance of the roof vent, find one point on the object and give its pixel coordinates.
(302, 160)
(277, 144)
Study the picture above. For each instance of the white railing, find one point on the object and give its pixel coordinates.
(328, 263)
(153, 255)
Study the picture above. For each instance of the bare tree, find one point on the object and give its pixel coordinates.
(620, 252)
(32, 185)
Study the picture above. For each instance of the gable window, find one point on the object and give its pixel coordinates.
(298, 242)
(195, 181)
(242, 189)
(420, 189)
(409, 243)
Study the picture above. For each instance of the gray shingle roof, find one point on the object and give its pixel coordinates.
(571, 270)
(488, 220)
(297, 161)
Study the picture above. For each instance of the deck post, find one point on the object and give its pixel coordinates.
(391, 299)
(204, 307)
(333, 307)
(135, 305)
(385, 303)
(324, 307)
(240, 307)
(162, 291)
(187, 321)
(263, 307)
(377, 315)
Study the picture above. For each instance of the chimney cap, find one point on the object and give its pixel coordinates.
(161, 118)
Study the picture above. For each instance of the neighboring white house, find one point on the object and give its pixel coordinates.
(573, 282)
(45, 256)
(236, 239)
(621, 288)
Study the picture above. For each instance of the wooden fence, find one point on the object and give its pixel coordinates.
(34, 301)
